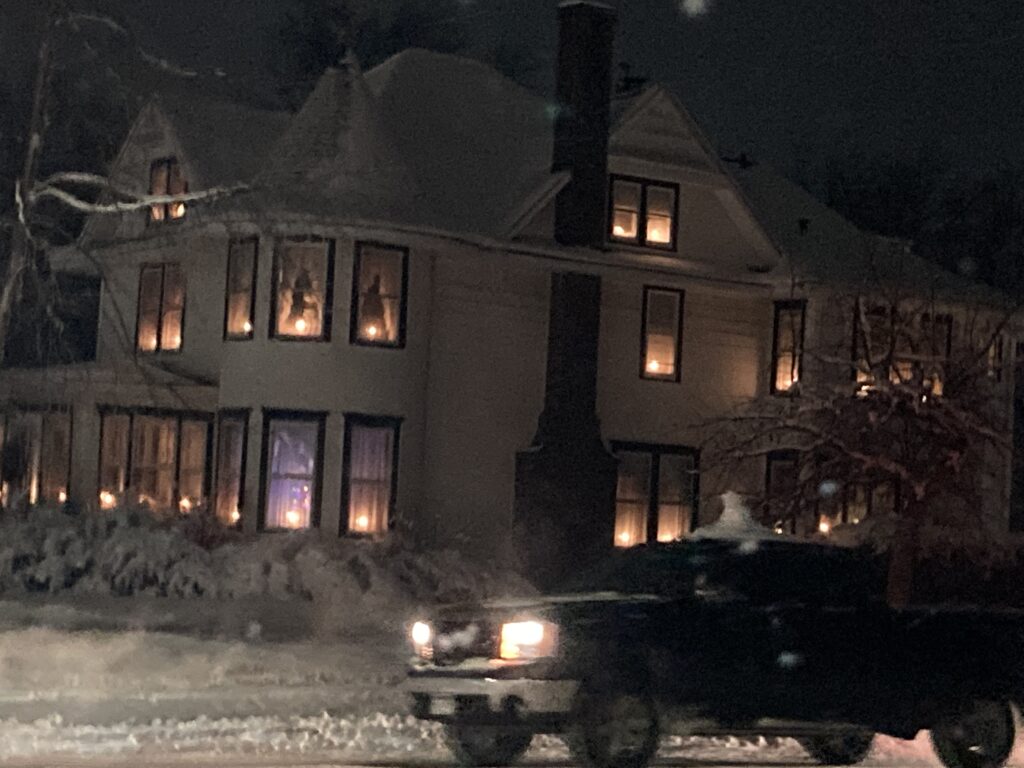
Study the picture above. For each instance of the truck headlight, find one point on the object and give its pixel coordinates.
(422, 636)
(527, 640)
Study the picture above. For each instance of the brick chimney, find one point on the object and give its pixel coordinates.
(586, 34)
(565, 483)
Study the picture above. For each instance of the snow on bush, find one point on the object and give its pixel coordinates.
(133, 551)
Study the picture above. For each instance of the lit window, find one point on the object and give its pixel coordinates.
(161, 308)
(36, 456)
(787, 349)
(656, 493)
(303, 289)
(378, 299)
(167, 453)
(231, 443)
(907, 349)
(166, 178)
(662, 334)
(643, 212)
(154, 454)
(293, 466)
(781, 485)
(370, 472)
(241, 289)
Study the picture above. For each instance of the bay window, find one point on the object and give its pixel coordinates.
(788, 346)
(293, 466)
(661, 334)
(369, 473)
(643, 212)
(240, 299)
(302, 290)
(167, 178)
(161, 309)
(379, 283)
(656, 493)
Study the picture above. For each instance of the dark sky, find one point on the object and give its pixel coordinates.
(782, 80)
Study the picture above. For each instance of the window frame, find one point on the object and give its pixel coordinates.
(168, 161)
(228, 336)
(242, 415)
(353, 326)
(640, 241)
(44, 411)
(677, 374)
(282, 414)
(161, 413)
(656, 451)
(781, 306)
(368, 420)
(330, 245)
(780, 456)
(162, 266)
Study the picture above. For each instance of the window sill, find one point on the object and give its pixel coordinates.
(635, 246)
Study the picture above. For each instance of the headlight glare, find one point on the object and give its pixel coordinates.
(422, 634)
(527, 640)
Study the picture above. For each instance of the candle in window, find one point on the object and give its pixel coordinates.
(653, 366)
(107, 500)
(372, 331)
(625, 538)
(362, 522)
(300, 325)
(235, 515)
(247, 327)
(62, 496)
(293, 517)
(824, 526)
(618, 230)
(185, 504)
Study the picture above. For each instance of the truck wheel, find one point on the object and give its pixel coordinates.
(479, 745)
(978, 736)
(614, 731)
(841, 748)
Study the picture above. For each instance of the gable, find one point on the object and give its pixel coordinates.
(653, 127)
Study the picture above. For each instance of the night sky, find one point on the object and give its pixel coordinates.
(786, 81)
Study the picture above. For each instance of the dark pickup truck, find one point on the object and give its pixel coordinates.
(712, 637)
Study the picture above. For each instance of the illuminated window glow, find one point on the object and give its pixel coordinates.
(369, 472)
(293, 468)
(36, 447)
(642, 212)
(656, 494)
(303, 290)
(166, 178)
(378, 298)
(161, 308)
(241, 288)
(787, 347)
(662, 331)
(231, 442)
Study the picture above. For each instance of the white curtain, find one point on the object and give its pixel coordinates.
(370, 466)
(293, 459)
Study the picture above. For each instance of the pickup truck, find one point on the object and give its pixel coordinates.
(714, 637)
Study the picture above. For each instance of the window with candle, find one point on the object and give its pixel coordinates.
(240, 297)
(303, 290)
(167, 178)
(661, 334)
(656, 494)
(161, 312)
(788, 346)
(231, 447)
(153, 457)
(115, 442)
(379, 284)
(643, 212)
(293, 446)
(369, 473)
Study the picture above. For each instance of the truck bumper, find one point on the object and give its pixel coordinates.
(490, 700)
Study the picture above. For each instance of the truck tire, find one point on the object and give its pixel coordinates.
(980, 735)
(614, 730)
(479, 745)
(840, 748)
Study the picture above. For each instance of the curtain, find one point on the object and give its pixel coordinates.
(229, 470)
(380, 294)
(241, 266)
(370, 465)
(192, 463)
(632, 499)
(150, 286)
(56, 456)
(154, 445)
(173, 308)
(21, 457)
(114, 452)
(676, 476)
(293, 459)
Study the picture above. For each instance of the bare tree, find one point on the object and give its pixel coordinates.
(900, 396)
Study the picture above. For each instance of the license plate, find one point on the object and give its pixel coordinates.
(442, 705)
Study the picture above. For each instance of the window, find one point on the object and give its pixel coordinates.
(994, 358)
(241, 289)
(292, 455)
(166, 178)
(160, 457)
(781, 485)
(370, 473)
(662, 333)
(656, 494)
(36, 457)
(908, 350)
(859, 501)
(378, 295)
(788, 345)
(643, 212)
(303, 290)
(161, 308)
(231, 447)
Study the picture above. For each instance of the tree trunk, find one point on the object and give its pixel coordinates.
(902, 561)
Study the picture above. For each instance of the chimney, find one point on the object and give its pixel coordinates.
(586, 32)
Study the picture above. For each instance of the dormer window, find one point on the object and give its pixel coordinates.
(643, 212)
(166, 178)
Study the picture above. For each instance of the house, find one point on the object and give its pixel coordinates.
(431, 298)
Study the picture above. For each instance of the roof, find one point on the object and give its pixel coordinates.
(822, 246)
(228, 142)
